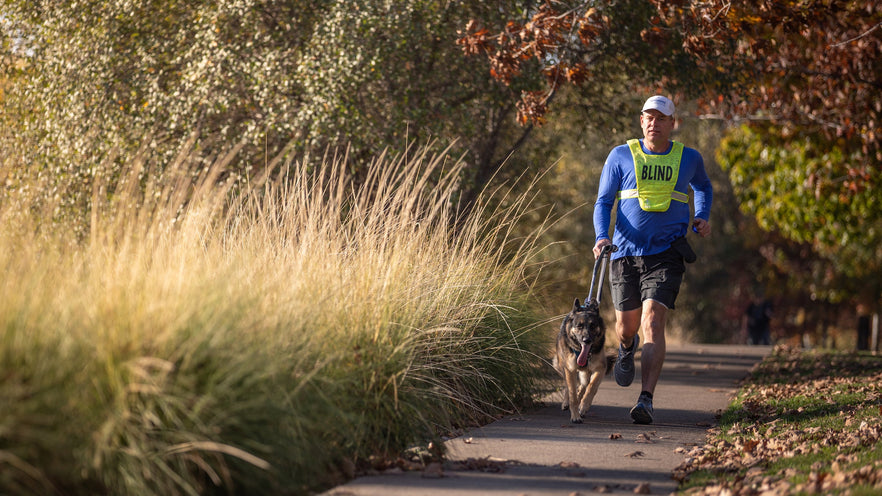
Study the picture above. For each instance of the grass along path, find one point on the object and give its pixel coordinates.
(186, 337)
(805, 422)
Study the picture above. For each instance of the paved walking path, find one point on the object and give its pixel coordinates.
(540, 453)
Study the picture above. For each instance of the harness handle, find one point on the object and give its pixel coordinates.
(604, 253)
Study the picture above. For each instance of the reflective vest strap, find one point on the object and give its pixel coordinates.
(632, 193)
(680, 197)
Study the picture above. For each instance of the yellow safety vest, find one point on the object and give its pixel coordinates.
(656, 178)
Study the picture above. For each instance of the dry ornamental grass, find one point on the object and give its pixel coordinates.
(267, 337)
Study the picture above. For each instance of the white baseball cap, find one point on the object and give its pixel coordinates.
(660, 103)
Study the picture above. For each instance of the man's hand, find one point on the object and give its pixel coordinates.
(701, 226)
(600, 244)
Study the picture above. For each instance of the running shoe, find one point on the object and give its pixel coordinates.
(642, 412)
(624, 368)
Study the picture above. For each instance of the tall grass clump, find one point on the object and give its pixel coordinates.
(203, 337)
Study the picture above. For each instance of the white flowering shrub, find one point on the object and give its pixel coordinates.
(92, 83)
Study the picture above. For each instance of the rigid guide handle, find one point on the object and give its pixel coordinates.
(604, 255)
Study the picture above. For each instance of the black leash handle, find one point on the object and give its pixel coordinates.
(604, 253)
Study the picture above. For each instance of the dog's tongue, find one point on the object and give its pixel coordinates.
(582, 359)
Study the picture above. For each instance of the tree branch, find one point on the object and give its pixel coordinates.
(865, 33)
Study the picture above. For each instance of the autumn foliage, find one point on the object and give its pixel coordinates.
(798, 63)
(813, 65)
(807, 77)
(550, 38)
(804, 77)
(803, 63)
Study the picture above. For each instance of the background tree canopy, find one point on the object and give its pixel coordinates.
(805, 79)
(106, 80)
(517, 85)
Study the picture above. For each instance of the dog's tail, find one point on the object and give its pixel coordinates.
(611, 357)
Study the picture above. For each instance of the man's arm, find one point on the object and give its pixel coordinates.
(703, 196)
(606, 197)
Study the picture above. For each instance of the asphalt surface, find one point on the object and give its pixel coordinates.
(540, 453)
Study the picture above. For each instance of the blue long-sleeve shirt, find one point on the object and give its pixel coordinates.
(637, 232)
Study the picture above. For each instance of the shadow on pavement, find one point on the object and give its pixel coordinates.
(542, 453)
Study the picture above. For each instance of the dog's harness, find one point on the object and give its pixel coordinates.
(595, 300)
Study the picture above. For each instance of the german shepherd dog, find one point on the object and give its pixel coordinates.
(580, 357)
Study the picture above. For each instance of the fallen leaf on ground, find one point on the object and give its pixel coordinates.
(643, 488)
(488, 464)
(645, 438)
(433, 471)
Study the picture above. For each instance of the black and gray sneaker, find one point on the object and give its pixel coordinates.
(624, 368)
(642, 412)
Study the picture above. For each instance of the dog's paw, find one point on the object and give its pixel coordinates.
(564, 406)
(576, 420)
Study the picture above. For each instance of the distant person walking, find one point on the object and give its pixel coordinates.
(757, 318)
(650, 178)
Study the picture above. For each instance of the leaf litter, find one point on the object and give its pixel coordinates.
(797, 406)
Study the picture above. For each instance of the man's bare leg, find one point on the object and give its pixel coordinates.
(627, 325)
(654, 346)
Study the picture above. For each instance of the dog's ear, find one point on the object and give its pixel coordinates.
(593, 304)
(576, 305)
